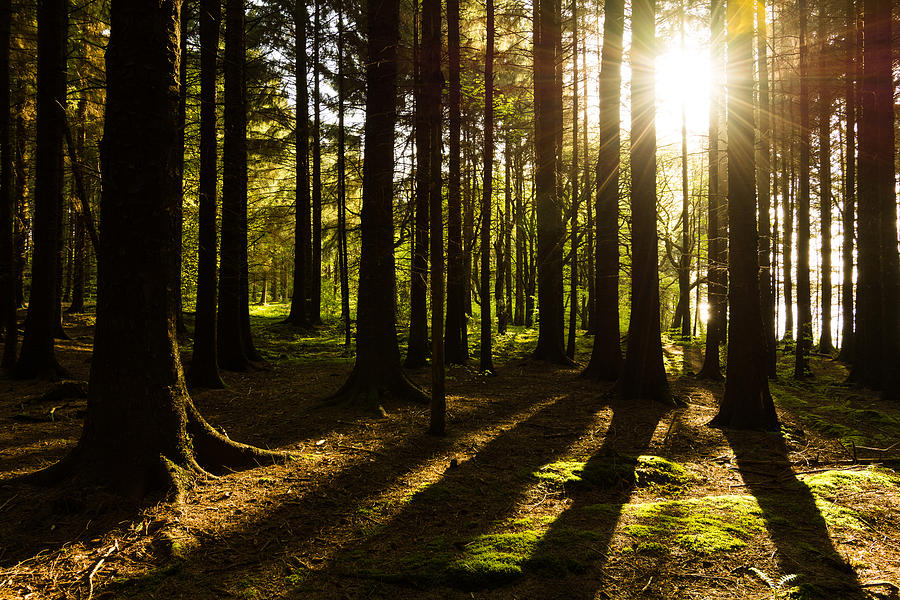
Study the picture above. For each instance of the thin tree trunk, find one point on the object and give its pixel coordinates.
(343, 268)
(684, 260)
(204, 370)
(804, 296)
(486, 363)
(763, 189)
(826, 346)
(8, 323)
(849, 202)
(455, 346)
(315, 304)
(573, 185)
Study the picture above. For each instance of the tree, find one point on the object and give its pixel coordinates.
(204, 370)
(377, 368)
(716, 229)
(455, 346)
(826, 346)
(606, 354)
(302, 242)
(550, 230)
(804, 300)
(877, 343)
(234, 343)
(431, 95)
(7, 203)
(37, 359)
(576, 197)
(485, 362)
(849, 200)
(747, 403)
(763, 186)
(643, 374)
(417, 344)
(315, 304)
(142, 432)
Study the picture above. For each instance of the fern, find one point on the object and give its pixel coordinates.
(776, 585)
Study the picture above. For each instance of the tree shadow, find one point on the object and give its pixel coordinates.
(794, 522)
(580, 537)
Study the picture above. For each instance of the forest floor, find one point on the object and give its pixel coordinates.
(545, 486)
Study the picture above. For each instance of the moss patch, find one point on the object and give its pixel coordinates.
(702, 525)
(608, 471)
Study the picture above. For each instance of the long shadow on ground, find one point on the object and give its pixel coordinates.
(262, 549)
(794, 522)
(579, 539)
(424, 546)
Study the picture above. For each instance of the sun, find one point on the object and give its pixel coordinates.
(683, 80)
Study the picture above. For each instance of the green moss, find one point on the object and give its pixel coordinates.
(493, 559)
(607, 471)
(651, 548)
(704, 525)
(126, 587)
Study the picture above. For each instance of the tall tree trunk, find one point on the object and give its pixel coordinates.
(431, 95)
(849, 202)
(573, 184)
(79, 255)
(485, 361)
(377, 369)
(37, 359)
(643, 374)
(302, 241)
(417, 344)
(8, 324)
(315, 304)
(804, 296)
(683, 311)
(590, 276)
(826, 346)
(180, 327)
(716, 231)
(519, 221)
(233, 285)
(606, 354)
(204, 370)
(500, 247)
(747, 403)
(455, 346)
(343, 268)
(550, 229)
(763, 188)
(877, 344)
(23, 222)
(142, 432)
(787, 199)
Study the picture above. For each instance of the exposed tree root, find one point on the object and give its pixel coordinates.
(215, 451)
(370, 392)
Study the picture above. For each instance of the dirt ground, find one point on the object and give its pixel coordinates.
(536, 492)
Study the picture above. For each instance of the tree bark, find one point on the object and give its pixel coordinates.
(37, 359)
(849, 202)
(606, 354)
(643, 374)
(485, 361)
(763, 187)
(377, 369)
(315, 304)
(417, 344)
(455, 346)
(573, 184)
(8, 323)
(550, 229)
(302, 241)
(804, 296)
(716, 230)
(747, 403)
(204, 369)
(141, 433)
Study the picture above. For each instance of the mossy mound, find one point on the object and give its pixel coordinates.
(612, 470)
